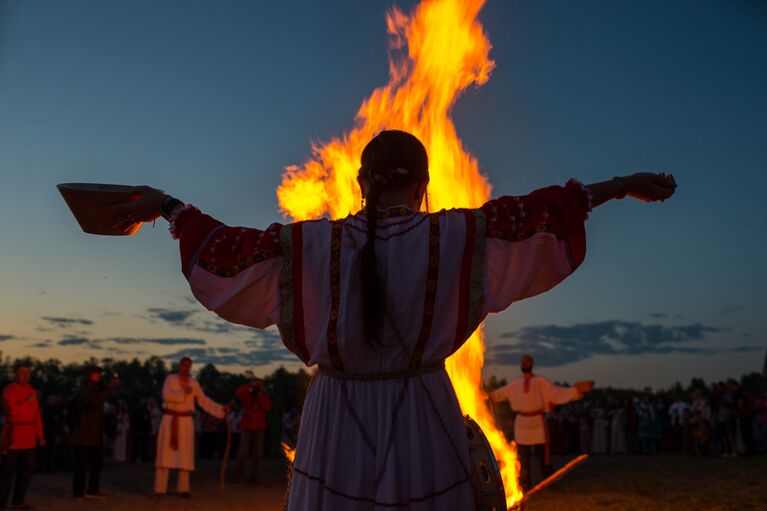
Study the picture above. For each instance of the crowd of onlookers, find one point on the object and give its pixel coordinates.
(723, 419)
(130, 435)
(56, 418)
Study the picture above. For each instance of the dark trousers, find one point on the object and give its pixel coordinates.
(87, 460)
(251, 446)
(677, 438)
(524, 452)
(16, 468)
(140, 447)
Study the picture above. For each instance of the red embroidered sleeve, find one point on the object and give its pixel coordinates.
(560, 210)
(222, 250)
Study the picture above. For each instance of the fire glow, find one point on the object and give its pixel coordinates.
(438, 51)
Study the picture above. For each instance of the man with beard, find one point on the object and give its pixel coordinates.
(531, 397)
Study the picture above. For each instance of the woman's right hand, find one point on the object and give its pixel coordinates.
(144, 209)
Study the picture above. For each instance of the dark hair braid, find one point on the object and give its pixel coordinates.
(371, 286)
(392, 159)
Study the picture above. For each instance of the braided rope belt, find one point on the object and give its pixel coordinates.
(393, 375)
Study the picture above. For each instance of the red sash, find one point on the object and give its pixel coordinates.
(174, 426)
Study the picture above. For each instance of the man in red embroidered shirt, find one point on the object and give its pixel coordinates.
(22, 433)
(531, 397)
(256, 403)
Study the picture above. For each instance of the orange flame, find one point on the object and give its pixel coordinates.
(437, 52)
(288, 451)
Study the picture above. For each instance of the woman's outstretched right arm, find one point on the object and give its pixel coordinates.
(232, 271)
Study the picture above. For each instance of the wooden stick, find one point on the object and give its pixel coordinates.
(552, 479)
(222, 475)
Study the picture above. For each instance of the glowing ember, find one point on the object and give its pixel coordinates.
(439, 50)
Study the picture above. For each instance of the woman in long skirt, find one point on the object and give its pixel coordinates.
(378, 300)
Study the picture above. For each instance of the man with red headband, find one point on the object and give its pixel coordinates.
(175, 440)
(22, 433)
(532, 396)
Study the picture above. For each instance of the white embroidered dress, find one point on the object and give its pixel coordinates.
(175, 399)
(369, 444)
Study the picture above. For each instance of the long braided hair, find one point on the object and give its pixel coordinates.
(390, 160)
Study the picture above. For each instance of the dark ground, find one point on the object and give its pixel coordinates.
(619, 483)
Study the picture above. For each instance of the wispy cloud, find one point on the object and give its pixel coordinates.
(555, 345)
(189, 319)
(65, 322)
(100, 343)
(219, 326)
(167, 341)
(229, 356)
(176, 317)
(745, 349)
(658, 315)
(79, 341)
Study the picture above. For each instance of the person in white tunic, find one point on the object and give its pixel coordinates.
(532, 396)
(175, 439)
(600, 439)
(377, 301)
(120, 452)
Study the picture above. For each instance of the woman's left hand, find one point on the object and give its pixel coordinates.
(145, 209)
(650, 187)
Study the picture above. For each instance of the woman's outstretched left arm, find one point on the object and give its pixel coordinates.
(644, 186)
(535, 241)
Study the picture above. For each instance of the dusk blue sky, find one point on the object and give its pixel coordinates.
(211, 100)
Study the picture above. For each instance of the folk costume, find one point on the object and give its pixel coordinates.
(381, 425)
(532, 396)
(175, 439)
(22, 433)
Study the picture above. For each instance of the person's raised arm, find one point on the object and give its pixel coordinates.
(233, 271)
(556, 395)
(644, 186)
(243, 392)
(535, 241)
(172, 392)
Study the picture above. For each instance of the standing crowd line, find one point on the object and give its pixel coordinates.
(723, 420)
(82, 432)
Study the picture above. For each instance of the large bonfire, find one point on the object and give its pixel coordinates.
(437, 52)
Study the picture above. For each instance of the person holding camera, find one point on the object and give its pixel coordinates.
(88, 433)
(256, 403)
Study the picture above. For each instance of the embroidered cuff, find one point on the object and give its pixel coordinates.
(173, 218)
(585, 189)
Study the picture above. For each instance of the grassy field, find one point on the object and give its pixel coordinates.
(621, 483)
